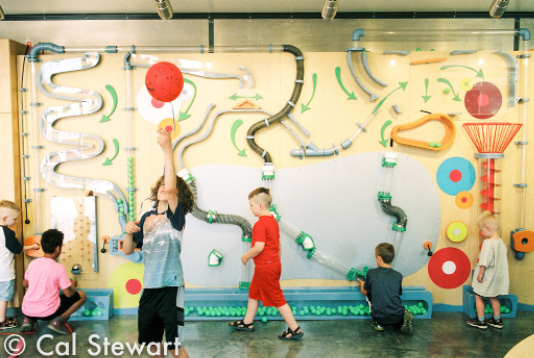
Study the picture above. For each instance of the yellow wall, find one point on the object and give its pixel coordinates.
(332, 118)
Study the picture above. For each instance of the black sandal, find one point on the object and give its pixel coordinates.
(294, 335)
(242, 326)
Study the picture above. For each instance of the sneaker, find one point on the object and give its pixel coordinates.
(59, 326)
(407, 323)
(495, 323)
(11, 320)
(8, 325)
(477, 324)
(29, 325)
(377, 326)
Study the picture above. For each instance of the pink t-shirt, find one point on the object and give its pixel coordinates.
(45, 277)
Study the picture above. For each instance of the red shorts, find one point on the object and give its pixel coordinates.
(265, 285)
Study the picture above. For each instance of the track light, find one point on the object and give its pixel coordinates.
(498, 8)
(1, 13)
(164, 9)
(329, 9)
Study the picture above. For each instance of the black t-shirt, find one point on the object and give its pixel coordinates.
(384, 287)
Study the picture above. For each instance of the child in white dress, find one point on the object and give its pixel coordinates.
(490, 278)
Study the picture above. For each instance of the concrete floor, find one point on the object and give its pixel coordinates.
(445, 335)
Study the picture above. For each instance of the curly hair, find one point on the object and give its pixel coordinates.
(186, 198)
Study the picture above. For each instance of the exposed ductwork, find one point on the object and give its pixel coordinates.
(164, 9)
(498, 8)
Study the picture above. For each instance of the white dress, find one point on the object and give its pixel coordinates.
(496, 280)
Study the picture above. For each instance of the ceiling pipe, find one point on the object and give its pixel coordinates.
(164, 9)
(498, 8)
(329, 9)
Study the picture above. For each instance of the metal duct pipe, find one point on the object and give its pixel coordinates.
(164, 9)
(329, 9)
(498, 8)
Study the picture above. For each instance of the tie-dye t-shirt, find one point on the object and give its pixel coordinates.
(161, 240)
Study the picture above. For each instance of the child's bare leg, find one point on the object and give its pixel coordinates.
(3, 310)
(287, 315)
(74, 307)
(496, 306)
(479, 300)
(181, 353)
(155, 350)
(252, 308)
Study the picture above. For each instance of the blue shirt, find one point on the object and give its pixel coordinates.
(161, 239)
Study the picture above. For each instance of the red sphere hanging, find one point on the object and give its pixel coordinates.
(164, 81)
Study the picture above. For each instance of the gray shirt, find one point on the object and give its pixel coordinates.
(161, 239)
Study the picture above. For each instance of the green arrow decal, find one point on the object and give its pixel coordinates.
(235, 126)
(426, 97)
(235, 97)
(304, 107)
(448, 83)
(479, 73)
(113, 93)
(401, 85)
(116, 144)
(185, 115)
(384, 141)
(338, 76)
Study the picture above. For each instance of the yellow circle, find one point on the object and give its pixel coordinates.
(118, 281)
(457, 231)
(466, 84)
(170, 126)
(464, 199)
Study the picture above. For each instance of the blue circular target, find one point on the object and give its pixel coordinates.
(455, 174)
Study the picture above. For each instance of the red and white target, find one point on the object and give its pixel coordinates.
(449, 267)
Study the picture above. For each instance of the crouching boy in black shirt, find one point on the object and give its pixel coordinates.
(383, 288)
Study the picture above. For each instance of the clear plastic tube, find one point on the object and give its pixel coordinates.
(130, 141)
(36, 148)
(246, 271)
(293, 234)
(523, 175)
(330, 263)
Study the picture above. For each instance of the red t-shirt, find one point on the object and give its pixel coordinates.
(267, 230)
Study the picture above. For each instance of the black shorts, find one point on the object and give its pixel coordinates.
(161, 310)
(65, 304)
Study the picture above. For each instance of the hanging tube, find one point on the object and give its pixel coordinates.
(398, 213)
(288, 108)
(213, 217)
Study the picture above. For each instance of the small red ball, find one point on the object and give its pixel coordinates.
(164, 81)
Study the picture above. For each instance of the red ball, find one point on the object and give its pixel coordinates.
(164, 81)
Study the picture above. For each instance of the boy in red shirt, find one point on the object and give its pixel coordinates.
(265, 251)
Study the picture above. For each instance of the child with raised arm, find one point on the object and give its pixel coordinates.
(9, 247)
(383, 288)
(265, 252)
(44, 278)
(159, 233)
(490, 278)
